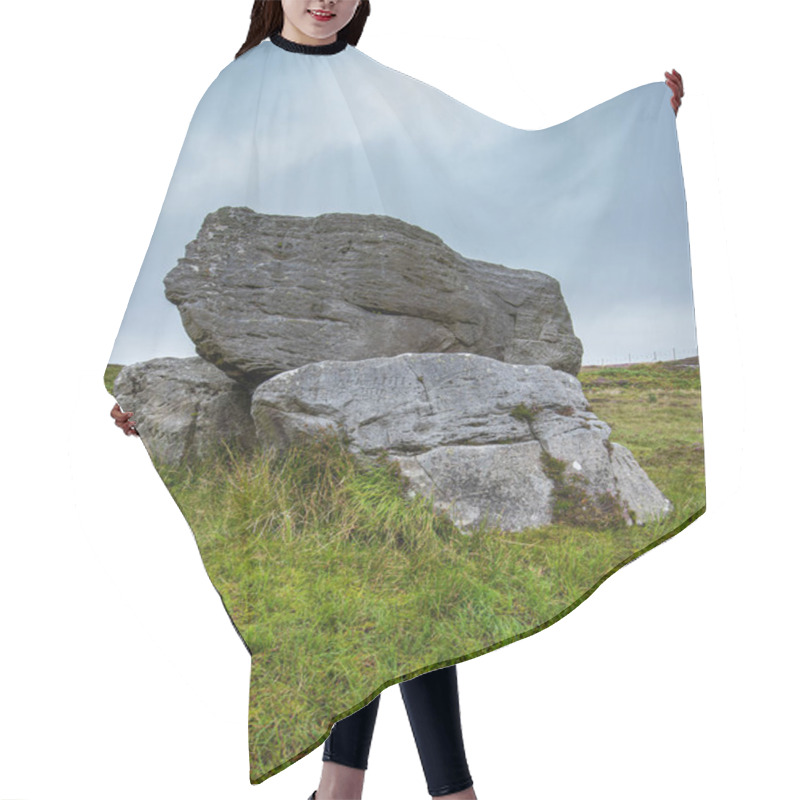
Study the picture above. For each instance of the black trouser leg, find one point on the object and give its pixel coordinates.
(351, 737)
(432, 704)
(431, 701)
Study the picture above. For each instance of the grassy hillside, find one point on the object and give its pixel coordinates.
(341, 586)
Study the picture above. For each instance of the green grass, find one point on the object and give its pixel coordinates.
(341, 586)
(112, 370)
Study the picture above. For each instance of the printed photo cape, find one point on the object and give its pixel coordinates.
(419, 381)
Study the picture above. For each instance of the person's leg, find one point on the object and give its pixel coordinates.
(431, 701)
(346, 753)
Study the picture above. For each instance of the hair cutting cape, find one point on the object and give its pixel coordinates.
(365, 353)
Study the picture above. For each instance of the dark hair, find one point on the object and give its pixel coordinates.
(266, 18)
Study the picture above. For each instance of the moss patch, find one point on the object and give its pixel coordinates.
(573, 505)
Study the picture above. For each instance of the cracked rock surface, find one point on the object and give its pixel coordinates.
(184, 408)
(260, 294)
(466, 430)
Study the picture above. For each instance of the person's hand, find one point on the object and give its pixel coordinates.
(122, 419)
(675, 82)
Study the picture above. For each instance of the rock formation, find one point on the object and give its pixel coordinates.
(185, 408)
(471, 432)
(260, 294)
(462, 372)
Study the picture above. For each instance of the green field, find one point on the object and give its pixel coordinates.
(340, 586)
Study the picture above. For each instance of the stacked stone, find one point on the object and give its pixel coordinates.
(461, 371)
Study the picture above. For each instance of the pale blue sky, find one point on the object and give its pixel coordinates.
(596, 201)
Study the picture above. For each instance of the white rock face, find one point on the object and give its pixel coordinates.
(471, 432)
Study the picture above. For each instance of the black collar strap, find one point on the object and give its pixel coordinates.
(308, 49)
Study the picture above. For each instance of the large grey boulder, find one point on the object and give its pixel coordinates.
(478, 436)
(261, 294)
(185, 408)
